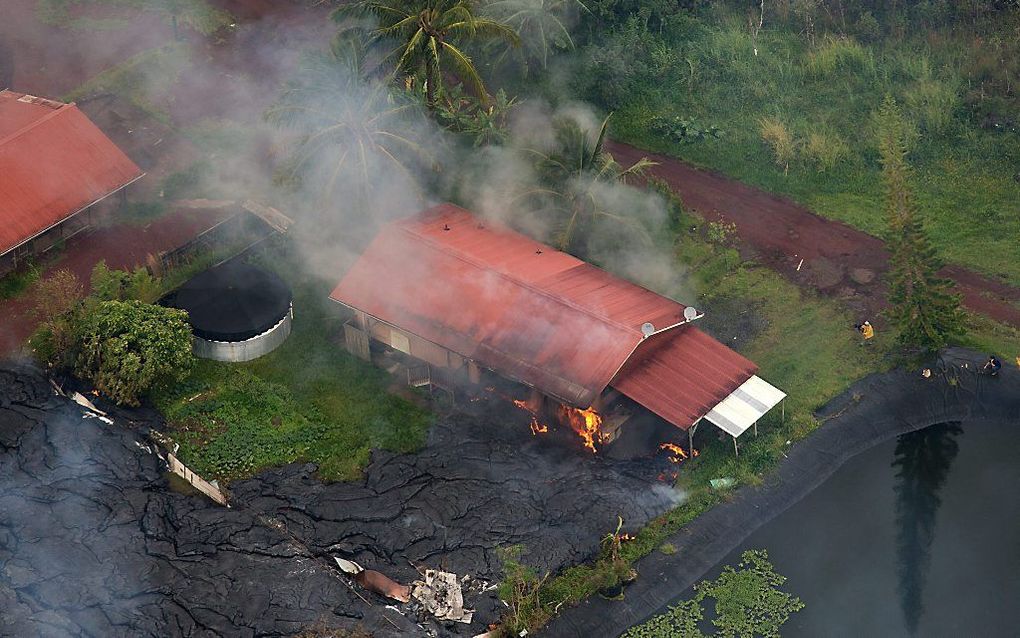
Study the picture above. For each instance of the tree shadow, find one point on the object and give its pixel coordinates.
(923, 460)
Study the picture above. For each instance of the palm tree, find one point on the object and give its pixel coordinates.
(351, 135)
(540, 23)
(576, 180)
(429, 36)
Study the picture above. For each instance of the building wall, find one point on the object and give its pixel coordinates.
(63, 231)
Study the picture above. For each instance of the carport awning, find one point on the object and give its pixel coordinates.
(745, 405)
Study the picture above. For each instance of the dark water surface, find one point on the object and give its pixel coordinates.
(917, 536)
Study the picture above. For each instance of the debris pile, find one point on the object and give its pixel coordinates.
(441, 596)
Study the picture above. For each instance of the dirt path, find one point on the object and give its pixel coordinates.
(123, 246)
(837, 260)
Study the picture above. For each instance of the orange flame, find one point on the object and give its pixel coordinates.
(587, 423)
(676, 453)
(536, 427)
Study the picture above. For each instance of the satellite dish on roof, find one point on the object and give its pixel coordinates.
(690, 313)
(647, 329)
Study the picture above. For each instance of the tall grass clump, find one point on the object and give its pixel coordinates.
(825, 150)
(934, 103)
(777, 136)
(836, 54)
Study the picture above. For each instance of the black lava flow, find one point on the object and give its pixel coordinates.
(93, 541)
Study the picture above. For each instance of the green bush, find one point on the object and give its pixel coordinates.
(128, 348)
(185, 183)
(18, 281)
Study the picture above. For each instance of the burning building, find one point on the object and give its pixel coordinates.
(464, 296)
(237, 312)
(56, 170)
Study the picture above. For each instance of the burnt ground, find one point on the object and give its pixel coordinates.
(839, 261)
(93, 541)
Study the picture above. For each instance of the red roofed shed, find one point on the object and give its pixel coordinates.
(54, 164)
(458, 291)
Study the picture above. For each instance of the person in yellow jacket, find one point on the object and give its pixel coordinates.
(866, 329)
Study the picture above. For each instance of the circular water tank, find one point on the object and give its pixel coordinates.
(238, 312)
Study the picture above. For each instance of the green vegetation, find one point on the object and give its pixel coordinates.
(308, 400)
(575, 180)
(18, 281)
(748, 602)
(139, 79)
(331, 109)
(922, 305)
(127, 348)
(426, 39)
(197, 15)
(790, 112)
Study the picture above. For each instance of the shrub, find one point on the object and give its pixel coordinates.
(128, 348)
(57, 303)
(826, 150)
(778, 138)
(17, 281)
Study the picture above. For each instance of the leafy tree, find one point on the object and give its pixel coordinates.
(111, 284)
(429, 36)
(922, 305)
(348, 131)
(108, 284)
(128, 347)
(577, 180)
(56, 304)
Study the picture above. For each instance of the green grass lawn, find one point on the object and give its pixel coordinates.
(819, 102)
(306, 401)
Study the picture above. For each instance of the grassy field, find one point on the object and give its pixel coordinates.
(306, 401)
(797, 118)
(117, 14)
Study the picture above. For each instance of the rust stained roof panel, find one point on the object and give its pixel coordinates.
(546, 319)
(53, 162)
(682, 374)
(484, 291)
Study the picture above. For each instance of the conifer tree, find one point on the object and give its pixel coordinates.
(923, 306)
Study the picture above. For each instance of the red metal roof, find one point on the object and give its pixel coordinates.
(521, 308)
(682, 374)
(53, 163)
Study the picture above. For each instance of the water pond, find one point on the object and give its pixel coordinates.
(917, 536)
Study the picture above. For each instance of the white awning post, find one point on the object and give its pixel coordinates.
(782, 405)
(755, 429)
(736, 451)
(690, 439)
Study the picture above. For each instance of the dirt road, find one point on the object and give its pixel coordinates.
(837, 260)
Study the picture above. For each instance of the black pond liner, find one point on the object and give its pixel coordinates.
(233, 301)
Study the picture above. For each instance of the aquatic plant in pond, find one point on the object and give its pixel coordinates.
(748, 602)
